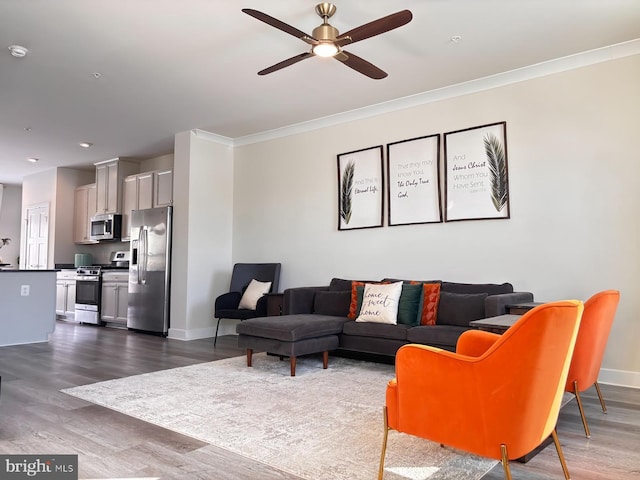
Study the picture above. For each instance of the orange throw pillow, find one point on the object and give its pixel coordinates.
(353, 306)
(430, 299)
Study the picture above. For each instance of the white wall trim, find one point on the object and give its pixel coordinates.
(623, 378)
(542, 69)
(192, 334)
(213, 137)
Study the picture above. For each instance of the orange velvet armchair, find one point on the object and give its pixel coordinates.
(597, 318)
(497, 396)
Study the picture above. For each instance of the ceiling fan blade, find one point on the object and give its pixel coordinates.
(274, 22)
(360, 65)
(285, 63)
(376, 27)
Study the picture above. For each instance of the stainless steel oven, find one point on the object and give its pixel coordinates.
(88, 294)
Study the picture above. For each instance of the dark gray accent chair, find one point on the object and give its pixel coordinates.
(226, 305)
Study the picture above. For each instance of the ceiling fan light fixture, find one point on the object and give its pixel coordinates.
(325, 49)
(18, 51)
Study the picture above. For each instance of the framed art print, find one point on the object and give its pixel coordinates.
(360, 182)
(476, 173)
(413, 168)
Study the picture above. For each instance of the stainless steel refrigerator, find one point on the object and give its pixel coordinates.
(150, 270)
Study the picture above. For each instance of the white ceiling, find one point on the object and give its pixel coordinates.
(168, 66)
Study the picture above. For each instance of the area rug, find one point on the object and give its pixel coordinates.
(319, 425)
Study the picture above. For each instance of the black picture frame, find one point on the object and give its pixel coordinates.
(476, 173)
(360, 189)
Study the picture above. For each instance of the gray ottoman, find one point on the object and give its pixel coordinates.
(291, 336)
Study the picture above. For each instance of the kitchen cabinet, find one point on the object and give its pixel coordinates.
(163, 188)
(115, 297)
(109, 178)
(84, 209)
(66, 293)
(137, 195)
(145, 190)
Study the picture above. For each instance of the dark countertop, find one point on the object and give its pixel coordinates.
(25, 271)
(104, 266)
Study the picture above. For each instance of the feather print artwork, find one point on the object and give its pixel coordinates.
(497, 170)
(347, 192)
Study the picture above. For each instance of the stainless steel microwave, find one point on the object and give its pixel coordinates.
(107, 226)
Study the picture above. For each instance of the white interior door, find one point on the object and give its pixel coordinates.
(37, 237)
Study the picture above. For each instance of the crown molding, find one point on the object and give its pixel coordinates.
(530, 72)
(212, 137)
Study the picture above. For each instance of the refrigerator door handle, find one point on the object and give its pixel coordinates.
(146, 255)
(140, 256)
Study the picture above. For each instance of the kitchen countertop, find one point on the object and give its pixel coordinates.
(15, 270)
(104, 266)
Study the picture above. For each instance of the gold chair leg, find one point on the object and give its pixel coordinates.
(556, 442)
(384, 443)
(582, 415)
(505, 462)
(604, 407)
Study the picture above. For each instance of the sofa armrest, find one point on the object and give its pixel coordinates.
(495, 305)
(300, 299)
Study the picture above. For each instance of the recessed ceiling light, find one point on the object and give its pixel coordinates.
(85, 144)
(96, 74)
(32, 159)
(18, 51)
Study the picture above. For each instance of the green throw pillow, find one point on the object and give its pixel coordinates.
(409, 304)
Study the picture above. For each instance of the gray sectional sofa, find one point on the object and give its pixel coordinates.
(459, 303)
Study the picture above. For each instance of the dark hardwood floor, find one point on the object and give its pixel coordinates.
(36, 418)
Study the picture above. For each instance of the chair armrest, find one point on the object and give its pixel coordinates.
(474, 343)
(228, 301)
(299, 300)
(261, 306)
(495, 305)
(417, 402)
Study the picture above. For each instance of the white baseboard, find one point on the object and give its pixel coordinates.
(623, 378)
(192, 334)
(227, 327)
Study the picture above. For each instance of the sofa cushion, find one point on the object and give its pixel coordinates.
(413, 282)
(380, 303)
(377, 330)
(488, 288)
(410, 301)
(459, 308)
(332, 303)
(339, 284)
(436, 335)
(291, 328)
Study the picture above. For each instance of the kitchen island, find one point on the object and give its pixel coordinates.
(27, 306)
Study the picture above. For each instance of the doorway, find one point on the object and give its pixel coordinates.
(37, 235)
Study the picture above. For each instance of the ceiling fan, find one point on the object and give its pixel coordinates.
(327, 42)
